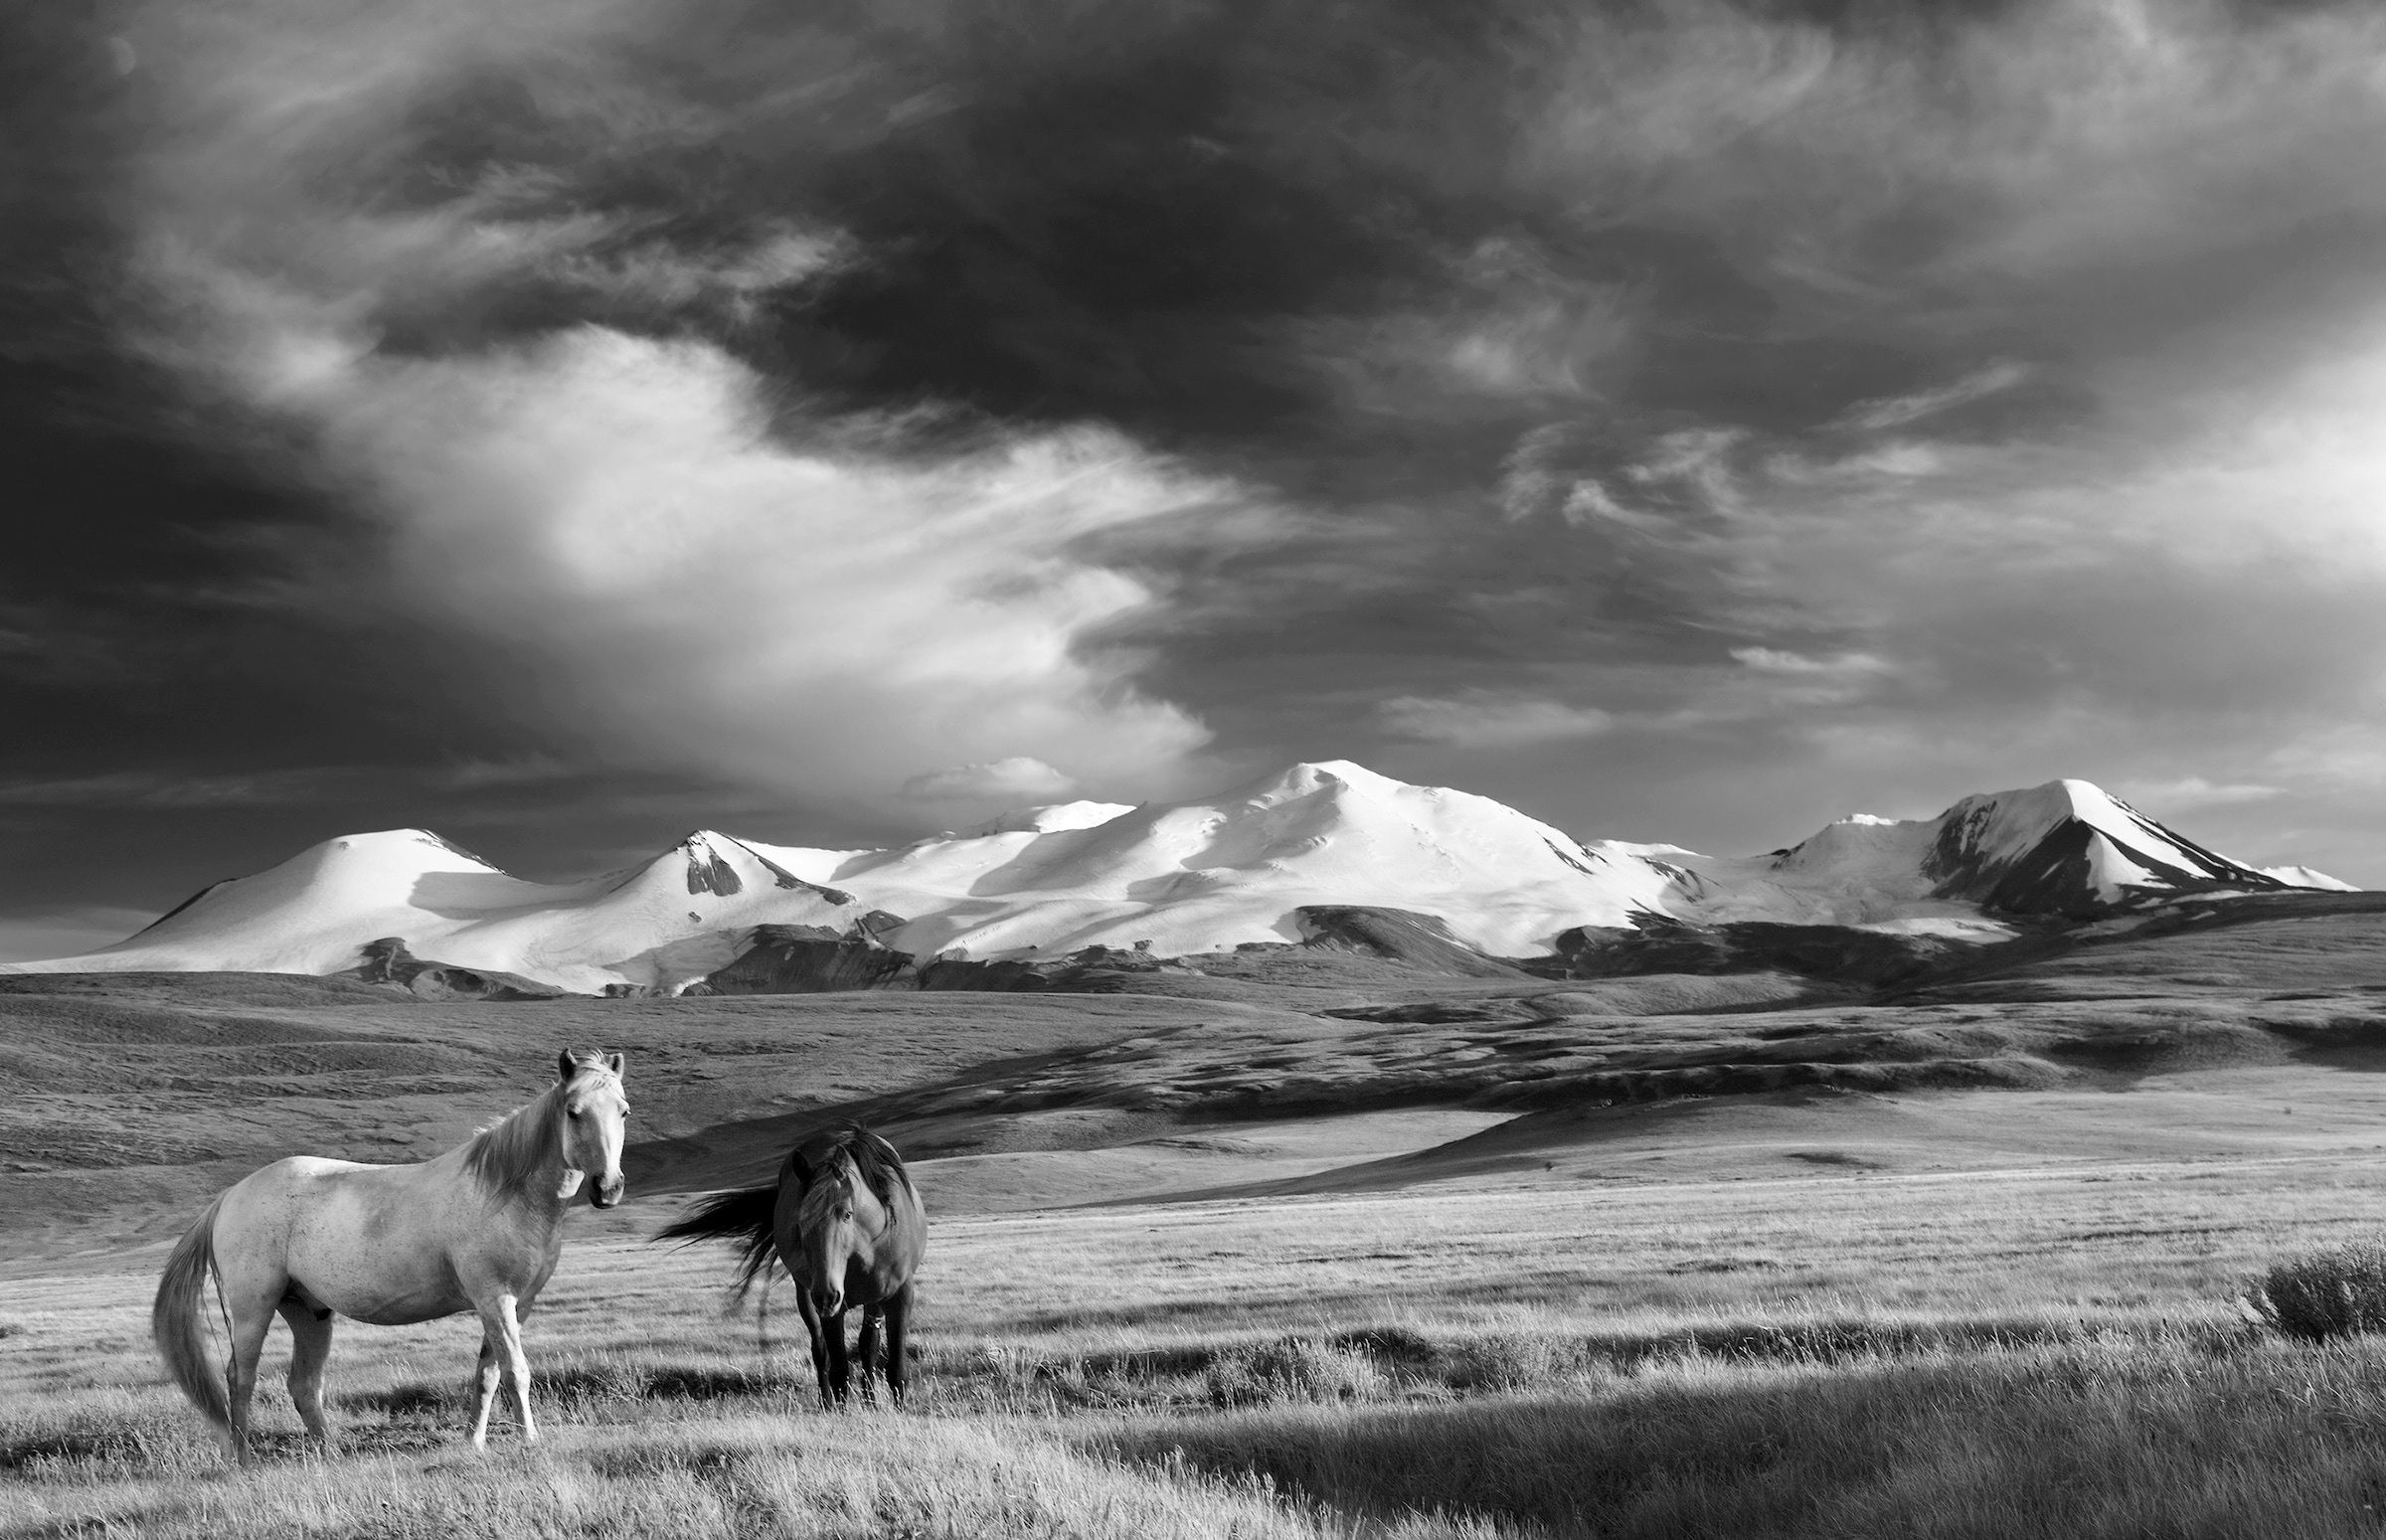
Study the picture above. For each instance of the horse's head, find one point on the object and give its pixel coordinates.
(839, 1221)
(596, 1112)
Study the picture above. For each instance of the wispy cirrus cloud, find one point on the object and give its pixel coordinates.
(2189, 792)
(1778, 660)
(1898, 410)
(1017, 779)
(1489, 720)
(154, 788)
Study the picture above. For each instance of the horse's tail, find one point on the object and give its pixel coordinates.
(747, 1218)
(174, 1320)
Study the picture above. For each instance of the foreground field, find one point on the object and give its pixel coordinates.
(2048, 1352)
(1370, 1254)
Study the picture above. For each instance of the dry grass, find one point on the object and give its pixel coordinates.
(2340, 1292)
(2124, 1436)
(2036, 1353)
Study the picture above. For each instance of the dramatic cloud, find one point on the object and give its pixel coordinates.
(689, 564)
(807, 608)
(1692, 420)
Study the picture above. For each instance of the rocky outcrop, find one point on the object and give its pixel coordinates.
(811, 959)
(1659, 945)
(388, 961)
(1403, 935)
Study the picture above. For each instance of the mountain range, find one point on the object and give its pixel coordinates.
(1252, 867)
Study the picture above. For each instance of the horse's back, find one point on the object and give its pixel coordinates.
(271, 1196)
(372, 1242)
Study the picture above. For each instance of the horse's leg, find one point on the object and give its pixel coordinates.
(899, 1332)
(866, 1351)
(818, 1332)
(251, 1317)
(486, 1376)
(840, 1370)
(503, 1329)
(311, 1350)
(517, 1364)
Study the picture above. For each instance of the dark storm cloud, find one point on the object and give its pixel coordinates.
(1622, 408)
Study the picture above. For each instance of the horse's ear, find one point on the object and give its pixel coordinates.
(613, 1062)
(801, 1168)
(564, 1065)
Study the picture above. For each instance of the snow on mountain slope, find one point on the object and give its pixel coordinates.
(1185, 877)
(677, 916)
(1210, 873)
(2304, 877)
(1052, 819)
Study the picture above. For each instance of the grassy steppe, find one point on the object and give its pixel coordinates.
(1733, 1261)
(2045, 1352)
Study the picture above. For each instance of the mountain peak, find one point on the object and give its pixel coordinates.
(1308, 776)
(398, 849)
(2071, 847)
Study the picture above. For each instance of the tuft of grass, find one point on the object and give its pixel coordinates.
(2337, 1292)
(1512, 1360)
(1293, 1369)
(117, 1434)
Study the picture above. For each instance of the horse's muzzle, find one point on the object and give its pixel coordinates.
(827, 1301)
(608, 1193)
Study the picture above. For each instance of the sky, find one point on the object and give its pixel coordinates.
(564, 424)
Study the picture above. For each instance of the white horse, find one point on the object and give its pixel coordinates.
(477, 1229)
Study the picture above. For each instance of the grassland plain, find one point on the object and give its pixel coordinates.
(2035, 1352)
(1213, 1267)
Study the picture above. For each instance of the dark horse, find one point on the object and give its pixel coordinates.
(847, 1222)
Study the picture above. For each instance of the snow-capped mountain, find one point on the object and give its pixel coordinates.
(1178, 878)
(1207, 874)
(2066, 848)
(676, 917)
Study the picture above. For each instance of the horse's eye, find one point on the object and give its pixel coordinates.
(574, 1110)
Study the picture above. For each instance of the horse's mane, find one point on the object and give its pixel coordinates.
(508, 1154)
(873, 1158)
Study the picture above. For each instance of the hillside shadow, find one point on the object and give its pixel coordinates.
(573, 1385)
(481, 894)
(749, 1150)
(1022, 872)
